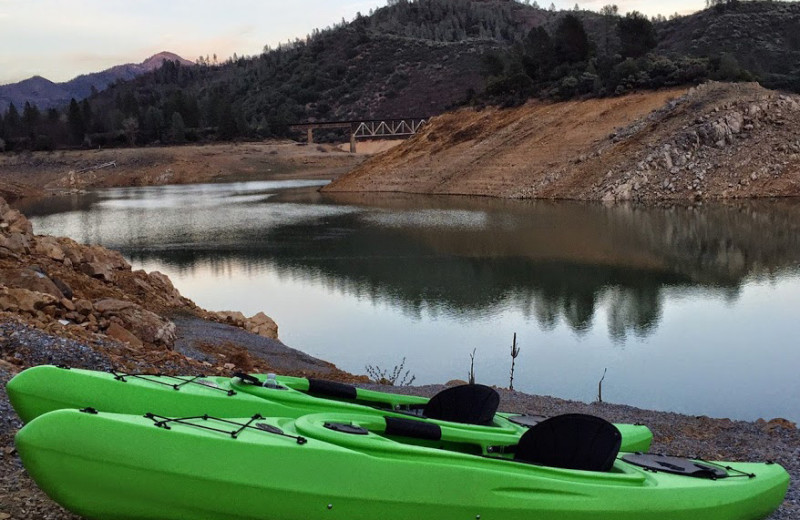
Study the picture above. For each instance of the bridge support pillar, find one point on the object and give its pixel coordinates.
(352, 142)
(310, 137)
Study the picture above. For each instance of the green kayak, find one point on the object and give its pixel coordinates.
(363, 467)
(45, 388)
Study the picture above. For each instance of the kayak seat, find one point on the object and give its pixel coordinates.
(469, 404)
(571, 441)
(324, 388)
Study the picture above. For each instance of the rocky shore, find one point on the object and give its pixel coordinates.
(677, 434)
(84, 306)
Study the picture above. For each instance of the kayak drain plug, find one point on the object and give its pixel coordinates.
(330, 506)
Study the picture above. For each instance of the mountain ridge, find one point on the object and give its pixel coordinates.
(45, 93)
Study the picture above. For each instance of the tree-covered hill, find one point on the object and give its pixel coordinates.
(416, 58)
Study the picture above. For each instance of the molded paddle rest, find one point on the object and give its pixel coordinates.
(571, 441)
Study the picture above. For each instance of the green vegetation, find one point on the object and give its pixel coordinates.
(419, 58)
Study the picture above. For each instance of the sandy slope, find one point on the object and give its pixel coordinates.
(714, 141)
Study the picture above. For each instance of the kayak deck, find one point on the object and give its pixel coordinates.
(118, 466)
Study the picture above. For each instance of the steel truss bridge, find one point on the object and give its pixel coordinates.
(372, 129)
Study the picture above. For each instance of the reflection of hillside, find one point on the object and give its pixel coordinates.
(393, 265)
(470, 257)
(711, 245)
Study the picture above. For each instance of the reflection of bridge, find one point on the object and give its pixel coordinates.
(376, 128)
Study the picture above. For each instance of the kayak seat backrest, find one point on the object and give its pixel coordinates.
(469, 404)
(323, 388)
(571, 441)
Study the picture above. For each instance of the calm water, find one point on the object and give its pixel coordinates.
(690, 309)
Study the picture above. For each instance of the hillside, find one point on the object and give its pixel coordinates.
(763, 37)
(420, 58)
(715, 141)
(46, 94)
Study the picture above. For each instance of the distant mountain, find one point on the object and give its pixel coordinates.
(46, 94)
(417, 58)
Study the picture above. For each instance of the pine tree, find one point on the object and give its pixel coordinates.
(77, 127)
(178, 128)
(636, 34)
(30, 117)
(12, 122)
(571, 42)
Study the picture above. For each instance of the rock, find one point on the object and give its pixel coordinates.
(111, 259)
(16, 243)
(734, 121)
(112, 306)
(97, 270)
(234, 317)
(263, 325)
(84, 307)
(15, 222)
(49, 247)
(164, 285)
(27, 278)
(120, 333)
(776, 424)
(145, 325)
(15, 299)
(624, 192)
(228, 366)
(65, 289)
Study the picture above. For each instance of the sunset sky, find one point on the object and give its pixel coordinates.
(60, 40)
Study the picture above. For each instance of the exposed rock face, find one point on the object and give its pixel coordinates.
(717, 141)
(62, 286)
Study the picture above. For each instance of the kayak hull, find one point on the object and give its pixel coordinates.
(126, 467)
(46, 388)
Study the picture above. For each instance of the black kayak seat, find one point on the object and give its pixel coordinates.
(468, 404)
(571, 441)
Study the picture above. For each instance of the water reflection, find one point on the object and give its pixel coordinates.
(610, 276)
(466, 258)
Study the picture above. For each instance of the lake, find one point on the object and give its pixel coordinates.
(692, 309)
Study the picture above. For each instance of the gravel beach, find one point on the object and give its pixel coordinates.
(673, 433)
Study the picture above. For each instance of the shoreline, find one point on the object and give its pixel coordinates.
(677, 434)
(674, 433)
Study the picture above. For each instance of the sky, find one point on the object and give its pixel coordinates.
(61, 39)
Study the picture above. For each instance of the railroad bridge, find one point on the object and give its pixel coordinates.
(370, 129)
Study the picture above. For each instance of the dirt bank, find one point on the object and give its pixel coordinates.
(40, 173)
(714, 141)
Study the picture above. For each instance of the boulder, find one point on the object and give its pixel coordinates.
(14, 299)
(65, 289)
(232, 317)
(84, 307)
(263, 325)
(106, 257)
(30, 279)
(15, 222)
(17, 243)
(145, 325)
(122, 334)
(111, 306)
(163, 284)
(49, 247)
(97, 270)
